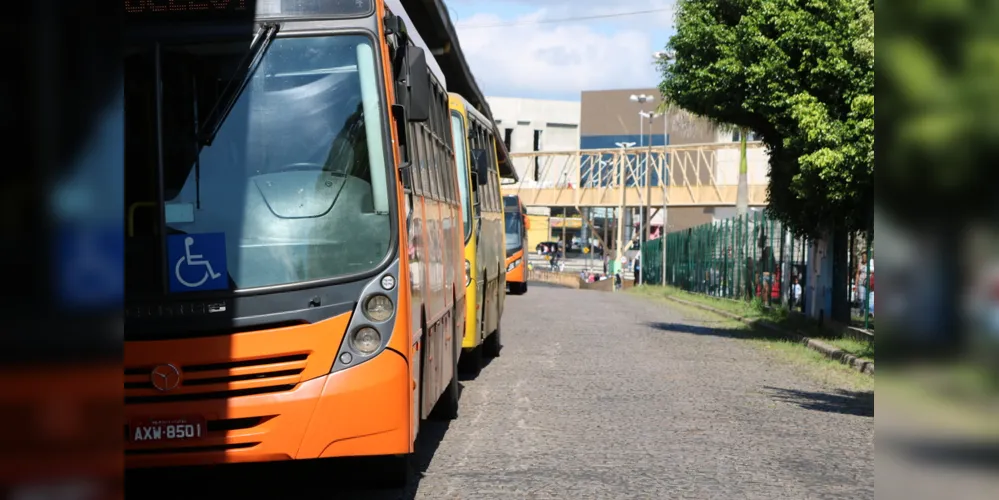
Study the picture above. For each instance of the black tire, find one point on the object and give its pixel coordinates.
(447, 406)
(470, 362)
(518, 288)
(395, 471)
(493, 344)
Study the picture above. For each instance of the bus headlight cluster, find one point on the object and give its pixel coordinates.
(513, 265)
(366, 340)
(378, 308)
(372, 322)
(468, 273)
(388, 282)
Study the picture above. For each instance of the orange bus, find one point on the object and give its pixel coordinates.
(294, 244)
(517, 225)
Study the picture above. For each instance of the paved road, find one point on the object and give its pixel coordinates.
(608, 396)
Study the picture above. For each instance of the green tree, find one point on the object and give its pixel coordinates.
(801, 74)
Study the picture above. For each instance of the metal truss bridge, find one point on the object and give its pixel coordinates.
(696, 175)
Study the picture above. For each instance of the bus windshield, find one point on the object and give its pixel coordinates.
(514, 230)
(294, 184)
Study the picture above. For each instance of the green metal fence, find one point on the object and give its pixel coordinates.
(751, 256)
(741, 257)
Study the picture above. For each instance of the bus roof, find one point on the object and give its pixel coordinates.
(432, 17)
(511, 202)
(506, 168)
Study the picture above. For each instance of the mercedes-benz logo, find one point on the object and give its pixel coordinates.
(165, 377)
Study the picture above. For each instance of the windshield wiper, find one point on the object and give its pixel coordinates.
(258, 46)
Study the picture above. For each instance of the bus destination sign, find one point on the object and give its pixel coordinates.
(242, 9)
(188, 6)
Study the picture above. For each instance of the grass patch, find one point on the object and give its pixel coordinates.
(858, 322)
(800, 357)
(826, 371)
(757, 310)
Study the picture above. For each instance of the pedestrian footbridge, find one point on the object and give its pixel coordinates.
(697, 175)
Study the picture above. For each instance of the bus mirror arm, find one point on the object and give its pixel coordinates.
(400, 119)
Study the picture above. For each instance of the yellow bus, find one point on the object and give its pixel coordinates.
(517, 224)
(482, 207)
(294, 245)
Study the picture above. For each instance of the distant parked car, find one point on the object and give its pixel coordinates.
(550, 245)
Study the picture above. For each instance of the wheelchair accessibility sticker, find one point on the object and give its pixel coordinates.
(197, 262)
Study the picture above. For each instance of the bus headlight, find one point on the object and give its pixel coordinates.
(513, 265)
(468, 273)
(366, 340)
(378, 308)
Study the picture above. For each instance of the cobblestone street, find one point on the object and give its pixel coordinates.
(601, 395)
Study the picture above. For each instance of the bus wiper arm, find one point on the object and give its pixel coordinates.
(258, 47)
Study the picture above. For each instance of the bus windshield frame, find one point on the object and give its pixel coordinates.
(461, 160)
(299, 170)
(514, 229)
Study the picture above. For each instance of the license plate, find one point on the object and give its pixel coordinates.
(158, 429)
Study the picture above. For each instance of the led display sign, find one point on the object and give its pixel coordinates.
(222, 10)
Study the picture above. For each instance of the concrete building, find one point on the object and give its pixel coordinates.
(536, 125)
(609, 119)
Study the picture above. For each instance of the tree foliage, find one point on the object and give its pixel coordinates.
(801, 74)
(938, 124)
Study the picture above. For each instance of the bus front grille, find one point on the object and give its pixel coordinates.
(218, 380)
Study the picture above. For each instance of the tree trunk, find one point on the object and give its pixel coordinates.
(742, 194)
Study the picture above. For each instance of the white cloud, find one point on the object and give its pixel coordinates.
(561, 59)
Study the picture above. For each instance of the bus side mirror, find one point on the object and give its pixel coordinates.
(419, 84)
(481, 166)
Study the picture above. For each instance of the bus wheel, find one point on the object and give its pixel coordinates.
(518, 288)
(471, 362)
(395, 470)
(493, 344)
(447, 406)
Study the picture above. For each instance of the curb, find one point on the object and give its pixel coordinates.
(831, 352)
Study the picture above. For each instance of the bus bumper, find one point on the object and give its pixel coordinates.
(364, 410)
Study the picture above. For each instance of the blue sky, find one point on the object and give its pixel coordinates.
(558, 60)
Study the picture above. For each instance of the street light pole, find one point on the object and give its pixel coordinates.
(643, 233)
(648, 177)
(664, 57)
(620, 218)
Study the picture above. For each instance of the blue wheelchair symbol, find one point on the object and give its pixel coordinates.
(198, 262)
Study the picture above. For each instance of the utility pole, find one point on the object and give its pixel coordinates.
(665, 57)
(665, 178)
(647, 221)
(645, 208)
(620, 214)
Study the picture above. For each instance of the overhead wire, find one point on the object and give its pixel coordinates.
(562, 20)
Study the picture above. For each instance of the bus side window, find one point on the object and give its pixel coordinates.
(416, 160)
(452, 188)
(433, 186)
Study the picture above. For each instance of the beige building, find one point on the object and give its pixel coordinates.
(609, 118)
(536, 125)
